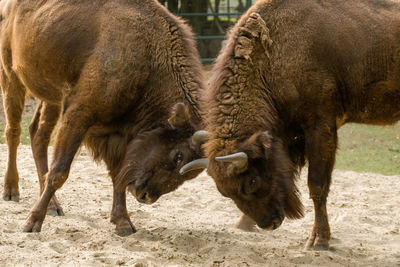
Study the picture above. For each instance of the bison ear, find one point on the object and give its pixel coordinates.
(180, 117)
(258, 145)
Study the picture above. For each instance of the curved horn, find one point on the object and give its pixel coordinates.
(194, 165)
(240, 159)
(199, 137)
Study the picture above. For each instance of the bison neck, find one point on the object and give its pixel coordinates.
(176, 68)
(241, 101)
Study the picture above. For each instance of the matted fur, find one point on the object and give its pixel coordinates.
(114, 69)
(297, 71)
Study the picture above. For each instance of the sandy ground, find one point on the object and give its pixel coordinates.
(193, 226)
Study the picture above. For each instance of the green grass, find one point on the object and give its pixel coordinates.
(365, 148)
(362, 148)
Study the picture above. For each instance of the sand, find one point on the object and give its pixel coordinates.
(193, 226)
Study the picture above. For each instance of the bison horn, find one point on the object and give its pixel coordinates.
(194, 165)
(240, 159)
(199, 137)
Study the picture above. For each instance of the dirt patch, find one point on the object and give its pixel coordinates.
(193, 226)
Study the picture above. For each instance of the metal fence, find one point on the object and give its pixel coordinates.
(211, 23)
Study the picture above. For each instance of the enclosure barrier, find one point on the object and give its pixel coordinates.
(216, 16)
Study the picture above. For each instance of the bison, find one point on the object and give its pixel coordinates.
(291, 74)
(114, 71)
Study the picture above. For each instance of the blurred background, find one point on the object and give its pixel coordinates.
(209, 20)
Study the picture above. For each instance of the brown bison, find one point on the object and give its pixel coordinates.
(114, 69)
(291, 74)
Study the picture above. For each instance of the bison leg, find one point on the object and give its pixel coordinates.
(245, 223)
(40, 129)
(320, 149)
(75, 123)
(119, 213)
(13, 101)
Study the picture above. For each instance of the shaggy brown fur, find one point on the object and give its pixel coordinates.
(292, 73)
(114, 68)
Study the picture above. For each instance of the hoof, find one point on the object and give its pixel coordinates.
(316, 243)
(52, 211)
(54, 208)
(317, 247)
(11, 193)
(124, 227)
(125, 231)
(32, 225)
(9, 197)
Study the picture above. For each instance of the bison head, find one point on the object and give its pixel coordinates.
(154, 158)
(259, 177)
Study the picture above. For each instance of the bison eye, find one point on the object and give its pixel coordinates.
(252, 185)
(178, 158)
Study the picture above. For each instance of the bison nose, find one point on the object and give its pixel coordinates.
(142, 197)
(274, 225)
(271, 225)
(142, 192)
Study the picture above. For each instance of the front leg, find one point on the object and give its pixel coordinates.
(76, 120)
(13, 100)
(320, 234)
(112, 153)
(321, 143)
(40, 129)
(119, 214)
